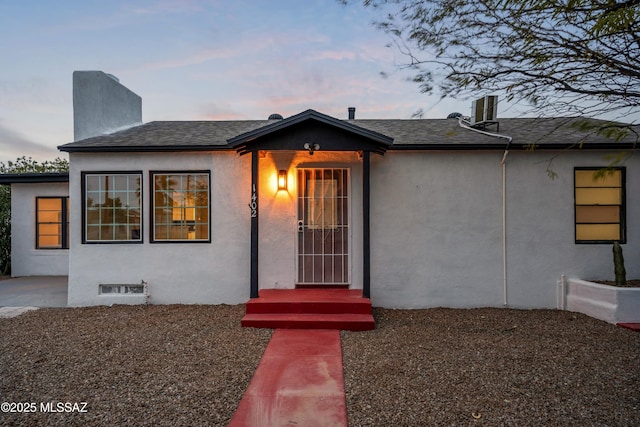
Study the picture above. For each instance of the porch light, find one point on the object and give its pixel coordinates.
(282, 180)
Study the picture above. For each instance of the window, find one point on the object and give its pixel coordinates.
(121, 289)
(180, 206)
(599, 205)
(112, 207)
(52, 222)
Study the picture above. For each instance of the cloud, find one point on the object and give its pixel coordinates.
(105, 17)
(290, 84)
(195, 58)
(32, 92)
(333, 55)
(263, 69)
(251, 48)
(218, 112)
(14, 145)
(166, 7)
(206, 55)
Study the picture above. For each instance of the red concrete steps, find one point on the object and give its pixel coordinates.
(348, 322)
(315, 308)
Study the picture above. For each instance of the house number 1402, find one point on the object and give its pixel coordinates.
(254, 203)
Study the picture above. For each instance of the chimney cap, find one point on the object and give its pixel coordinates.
(352, 113)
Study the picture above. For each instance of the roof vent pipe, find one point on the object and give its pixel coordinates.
(352, 113)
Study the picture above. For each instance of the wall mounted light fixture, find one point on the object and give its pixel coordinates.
(311, 147)
(282, 180)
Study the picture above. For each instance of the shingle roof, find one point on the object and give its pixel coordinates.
(406, 134)
(169, 135)
(447, 133)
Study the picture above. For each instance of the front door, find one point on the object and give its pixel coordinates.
(323, 226)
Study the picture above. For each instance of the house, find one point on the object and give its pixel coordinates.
(415, 213)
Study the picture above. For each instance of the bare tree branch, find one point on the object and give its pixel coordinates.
(561, 56)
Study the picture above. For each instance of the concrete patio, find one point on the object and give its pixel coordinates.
(34, 291)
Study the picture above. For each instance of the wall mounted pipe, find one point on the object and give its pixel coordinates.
(503, 167)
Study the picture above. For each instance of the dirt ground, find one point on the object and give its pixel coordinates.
(492, 367)
(190, 365)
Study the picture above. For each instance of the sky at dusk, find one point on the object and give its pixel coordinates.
(199, 60)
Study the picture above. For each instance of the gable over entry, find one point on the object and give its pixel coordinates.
(311, 131)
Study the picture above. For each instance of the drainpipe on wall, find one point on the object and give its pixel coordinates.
(503, 167)
(503, 164)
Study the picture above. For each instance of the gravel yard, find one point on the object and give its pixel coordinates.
(133, 365)
(190, 365)
(491, 367)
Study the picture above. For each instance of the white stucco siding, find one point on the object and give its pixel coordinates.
(203, 273)
(278, 213)
(541, 234)
(540, 227)
(436, 229)
(26, 260)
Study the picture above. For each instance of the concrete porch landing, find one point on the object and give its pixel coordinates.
(314, 308)
(299, 382)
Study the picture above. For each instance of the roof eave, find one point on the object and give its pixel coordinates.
(143, 149)
(515, 146)
(34, 178)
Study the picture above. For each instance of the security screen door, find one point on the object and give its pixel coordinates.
(323, 226)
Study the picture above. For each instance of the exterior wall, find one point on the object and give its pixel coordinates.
(278, 215)
(26, 260)
(436, 226)
(201, 272)
(189, 273)
(436, 229)
(541, 235)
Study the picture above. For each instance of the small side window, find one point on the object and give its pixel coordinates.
(52, 222)
(600, 205)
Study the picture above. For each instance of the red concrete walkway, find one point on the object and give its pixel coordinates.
(299, 382)
(632, 326)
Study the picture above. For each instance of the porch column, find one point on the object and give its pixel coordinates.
(254, 224)
(366, 238)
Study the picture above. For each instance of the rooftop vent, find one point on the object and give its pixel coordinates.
(454, 115)
(275, 116)
(352, 113)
